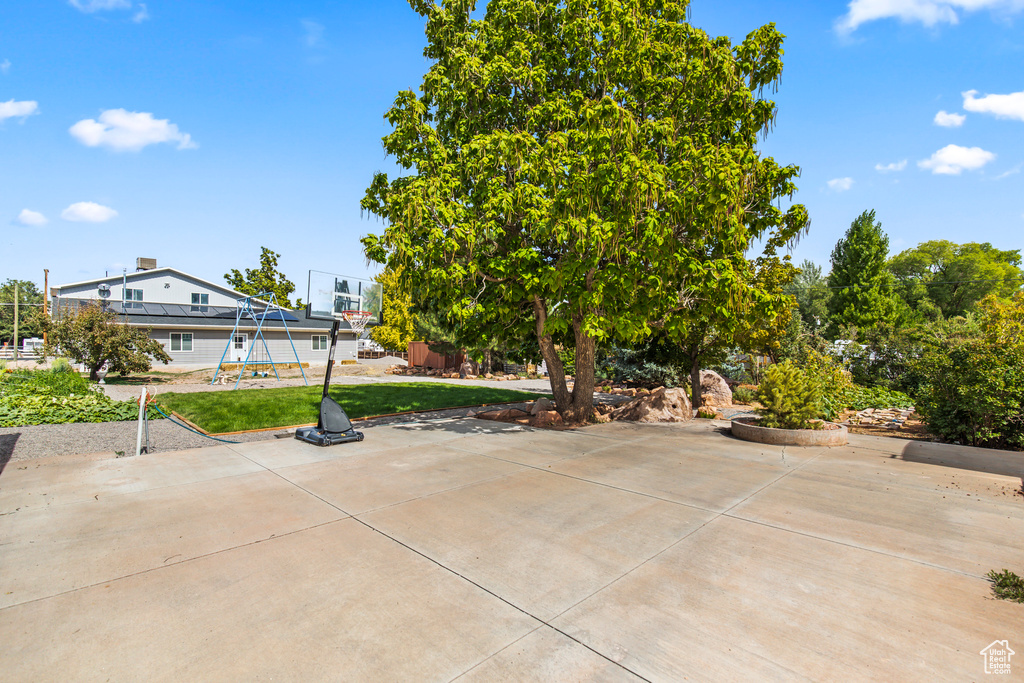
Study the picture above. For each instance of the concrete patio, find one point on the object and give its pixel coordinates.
(479, 551)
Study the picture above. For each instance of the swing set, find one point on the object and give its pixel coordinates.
(250, 314)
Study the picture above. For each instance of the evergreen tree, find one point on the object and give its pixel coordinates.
(810, 288)
(862, 286)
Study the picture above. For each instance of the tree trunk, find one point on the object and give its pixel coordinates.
(487, 362)
(695, 379)
(93, 372)
(582, 408)
(576, 406)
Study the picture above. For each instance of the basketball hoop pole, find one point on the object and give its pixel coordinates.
(330, 366)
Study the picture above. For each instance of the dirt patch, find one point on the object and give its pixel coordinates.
(913, 428)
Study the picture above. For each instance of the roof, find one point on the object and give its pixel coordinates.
(166, 269)
(148, 314)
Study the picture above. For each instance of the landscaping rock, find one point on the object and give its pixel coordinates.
(714, 390)
(546, 418)
(541, 405)
(510, 415)
(465, 370)
(661, 405)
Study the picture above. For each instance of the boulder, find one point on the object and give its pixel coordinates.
(510, 415)
(465, 369)
(541, 405)
(714, 390)
(546, 418)
(661, 405)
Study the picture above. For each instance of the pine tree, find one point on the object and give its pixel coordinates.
(862, 286)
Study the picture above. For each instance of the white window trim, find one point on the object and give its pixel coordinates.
(180, 342)
(325, 337)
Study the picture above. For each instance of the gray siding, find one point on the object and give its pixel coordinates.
(208, 347)
(156, 286)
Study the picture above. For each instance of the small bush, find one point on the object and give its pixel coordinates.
(45, 397)
(859, 398)
(743, 395)
(790, 398)
(60, 365)
(832, 382)
(1007, 586)
(631, 367)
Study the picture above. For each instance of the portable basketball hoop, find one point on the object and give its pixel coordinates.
(357, 320)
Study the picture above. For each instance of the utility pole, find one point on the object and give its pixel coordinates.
(15, 321)
(46, 295)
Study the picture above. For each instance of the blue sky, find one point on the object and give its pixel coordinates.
(196, 131)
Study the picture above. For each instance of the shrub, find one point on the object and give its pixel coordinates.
(46, 397)
(832, 382)
(743, 395)
(859, 398)
(630, 366)
(790, 398)
(61, 365)
(973, 391)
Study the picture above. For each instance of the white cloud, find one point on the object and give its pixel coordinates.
(954, 159)
(1003, 106)
(1006, 174)
(29, 217)
(314, 36)
(5, 66)
(88, 212)
(891, 168)
(99, 5)
(129, 130)
(17, 110)
(840, 184)
(142, 14)
(927, 12)
(947, 120)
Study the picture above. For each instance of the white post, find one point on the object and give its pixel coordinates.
(142, 414)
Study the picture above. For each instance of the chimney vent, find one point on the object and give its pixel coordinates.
(145, 263)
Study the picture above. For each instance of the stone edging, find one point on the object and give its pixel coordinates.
(743, 429)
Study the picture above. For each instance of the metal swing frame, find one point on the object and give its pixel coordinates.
(246, 309)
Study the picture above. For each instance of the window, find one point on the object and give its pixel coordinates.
(132, 295)
(319, 342)
(239, 342)
(181, 341)
(200, 302)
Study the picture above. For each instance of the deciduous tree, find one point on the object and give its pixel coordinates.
(92, 335)
(398, 325)
(266, 278)
(30, 319)
(585, 172)
(956, 277)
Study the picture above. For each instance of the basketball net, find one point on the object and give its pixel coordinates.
(357, 320)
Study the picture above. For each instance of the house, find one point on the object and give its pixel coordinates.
(193, 318)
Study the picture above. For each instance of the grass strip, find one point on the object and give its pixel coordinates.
(231, 411)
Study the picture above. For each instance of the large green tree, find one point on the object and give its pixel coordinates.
(30, 319)
(810, 290)
(862, 286)
(397, 321)
(585, 172)
(266, 278)
(955, 277)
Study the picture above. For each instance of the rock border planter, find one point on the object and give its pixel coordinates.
(743, 428)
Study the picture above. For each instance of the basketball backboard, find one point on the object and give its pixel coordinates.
(329, 295)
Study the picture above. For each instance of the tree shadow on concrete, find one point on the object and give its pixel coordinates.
(7, 444)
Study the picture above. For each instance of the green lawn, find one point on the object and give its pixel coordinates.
(234, 411)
